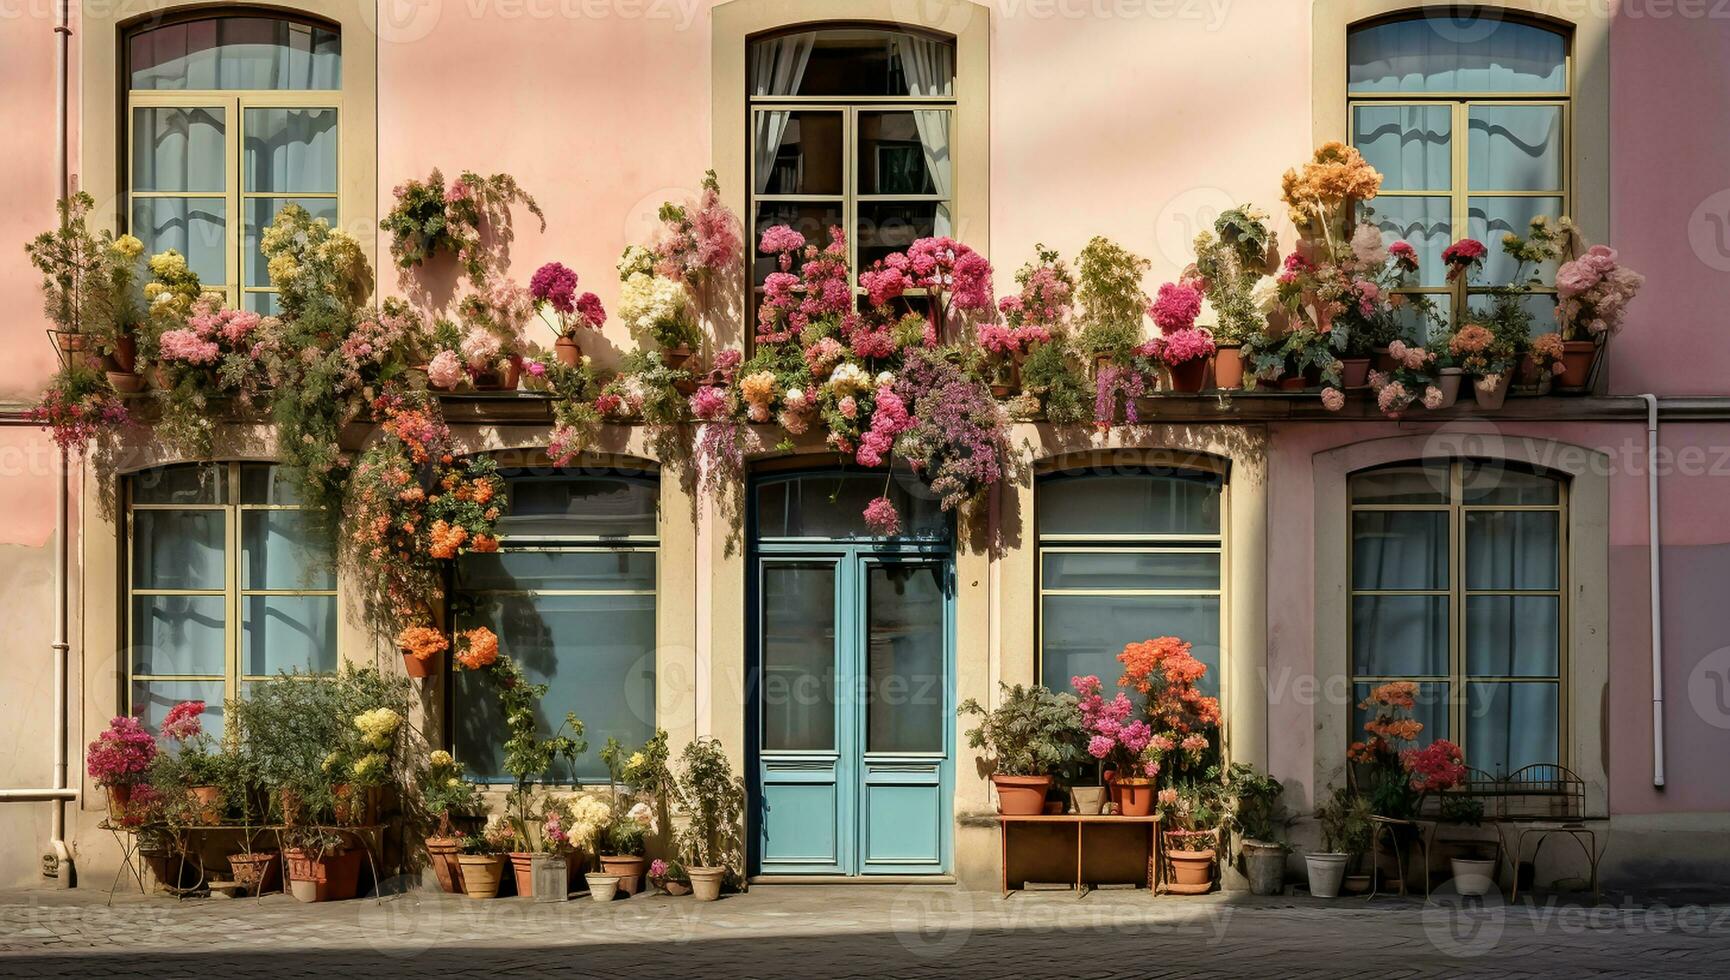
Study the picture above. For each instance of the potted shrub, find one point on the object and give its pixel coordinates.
(422, 649)
(1190, 815)
(1474, 862)
(1413, 380)
(445, 794)
(1111, 302)
(193, 768)
(1346, 833)
(554, 290)
(1030, 733)
(669, 877)
(1052, 375)
(1120, 744)
(712, 841)
(656, 308)
(118, 761)
(321, 866)
(1172, 735)
(1593, 291)
(482, 860)
(1229, 261)
(1254, 815)
(1031, 318)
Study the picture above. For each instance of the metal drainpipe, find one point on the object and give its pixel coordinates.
(57, 811)
(1656, 546)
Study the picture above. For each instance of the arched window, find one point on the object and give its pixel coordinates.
(1467, 118)
(571, 594)
(230, 118)
(1457, 576)
(851, 127)
(1124, 557)
(229, 582)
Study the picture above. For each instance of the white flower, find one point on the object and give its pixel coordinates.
(646, 301)
(849, 378)
(1265, 295)
(885, 378)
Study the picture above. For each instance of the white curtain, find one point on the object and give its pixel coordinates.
(777, 66)
(929, 65)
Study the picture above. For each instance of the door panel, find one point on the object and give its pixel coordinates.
(801, 816)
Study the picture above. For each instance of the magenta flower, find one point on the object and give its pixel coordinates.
(555, 285)
(1176, 307)
(881, 517)
(183, 721)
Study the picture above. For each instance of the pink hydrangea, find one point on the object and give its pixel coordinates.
(186, 346)
(1432, 397)
(1333, 399)
(183, 721)
(555, 285)
(121, 753)
(890, 419)
(780, 240)
(1182, 346)
(1176, 307)
(481, 350)
(445, 370)
(881, 517)
(590, 311)
(1392, 397)
(709, 403)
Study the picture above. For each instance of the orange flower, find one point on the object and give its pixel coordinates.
(476, 648)
(483, 491)
(1394, 694)
(484, 544)
(422, 642)
(446, 539)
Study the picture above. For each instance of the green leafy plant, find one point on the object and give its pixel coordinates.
(430, 217)
(1253, 803)
(1031, 732)
(1346, 825)
(89, 281)
(1054, 374)
(528, 754)
(1111, 299)
(714, 798)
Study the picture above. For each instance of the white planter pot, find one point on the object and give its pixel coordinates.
(1473, 877)
(602, 887)
(1449, 383)
(1326, 871)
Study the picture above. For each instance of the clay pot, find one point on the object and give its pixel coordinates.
(706, 882)
(567, 351)
(1053, 808)
(1191, 870)
(125, 382)
(480, 874)
(1381, 360)
(1577, 358)
(331, 877)
(1291, 382)
(1021, 795)
(675, 357)
(523, 870)
(1190, 376)
(1354, 372)
(602, 887)
(416, 667)
(1087, 799)
(69, 342)
(1449, 384)
(1134, 795)
(1491, 397)
(1228, 367)
(125, 353)
(676, 888)
(442, 855)
(354, 806)
(207, 800)
(256, 873)
(118, 798)
(1326, 872)
(628, 867)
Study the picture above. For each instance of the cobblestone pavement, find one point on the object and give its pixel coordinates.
(865, 931)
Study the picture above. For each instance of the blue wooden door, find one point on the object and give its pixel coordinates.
(853, 705)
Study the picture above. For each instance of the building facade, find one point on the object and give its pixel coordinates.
(1514, 563)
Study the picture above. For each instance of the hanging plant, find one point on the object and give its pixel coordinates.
(431, 217)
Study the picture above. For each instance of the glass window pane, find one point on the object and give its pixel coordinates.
(1512, 550)
(196, 227)
(1492, 218)
(260, 212)
(284, 549)
(262, 303)
(177, 634)
(851, 61)
(1400, 635)
(1494, 482)
(179, 549)
(891, 226)
(808, 219)
(1194, 570)
(1431, 710)
(1513, 636)
(599, 506)
(1437, 52)
(798, 681)
(906, 671)
(904, 152)
(1424, 223)
(289, 150)
(1411, 145)
(1083, 635)
(1540, 309)
(832, 505)
(1515, 148)
(236, 52)
(152, 700)
(268, 483)
(610, 571)
(1422, 484)
(288, 633)
(1509, 726)
(175, 149)
(1399, 550)
(1159, 502)
(595, 653)
(1415, 324)
(798, 152)
(187, 483)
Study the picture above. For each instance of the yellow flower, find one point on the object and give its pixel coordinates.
(370, 765)
(440, 759)
(377, 726)
(127, 246)
(283, 268)
(331, 761)
(168, 265)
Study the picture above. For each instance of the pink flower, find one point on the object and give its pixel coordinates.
(709, 403)
(555, 285)
(183, 721)
(1392, 397)
(1196, 742)
(1432, 397)
(1100, 746)
(848, 406)
(1404, 255)
(1183, 346)
(1176, 307)
(445, 370)
(881, 517)
(535, 368)
(780, 239)
(481, 350)
(187, 346)
(1463, 255)
(1333, 399)
(590, 311)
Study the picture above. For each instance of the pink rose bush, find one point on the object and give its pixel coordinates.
(1593, 292)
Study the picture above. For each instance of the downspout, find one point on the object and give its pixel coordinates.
(57, 811)
(1656, 546)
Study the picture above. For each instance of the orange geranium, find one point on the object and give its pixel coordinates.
(422, 642)
(477, 648)
(445, 539)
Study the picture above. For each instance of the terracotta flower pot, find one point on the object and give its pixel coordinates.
(1228, 367)
(676, 888)
(354, 806)
(125, 382)
(1189, 376)
(1134, 796)
(118, 798)
(523, 871)
(1577, 358)
(1191, 870)
(442, 855)
(706, 882)
(675, 357)
(481, 874)
(1354, 372)
(567, 351)
(1021, 795)
(330, 877)
(629, 868)
(207, 800)
(1291, 382)
(417, 667)
(125, 353)
(256, 872)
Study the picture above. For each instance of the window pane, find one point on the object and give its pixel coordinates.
(1515, 148)
(1494, 482)
(1414, 324)
(798, 656)
(798, 152)
(904, 152)
(268, 483)
(236, 52)
(152, 700)
(195, 227)
(600, 506)
(1512, 550)
(1400, 635)
(1197, 570)
(1424, 484)
(851, 61)
(1424, 223)
(1509, 726)
(889, 226)
(595, 653)
(1441, 53)
(290, 150)
(1513, 636)
(832, 505)
(611, 571)
(906, 673)
(811, 220)
(179, 149)
(282, 549)
(175, 634)
(1491, 218)
(1083, 635)
(179, 549)
(288, 633)
(1540, 309)
(191, 483)
(260, 212)
(1138, 503)
(1431, 711)
(1409, 144)
(264, 304)
(1399, 550)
